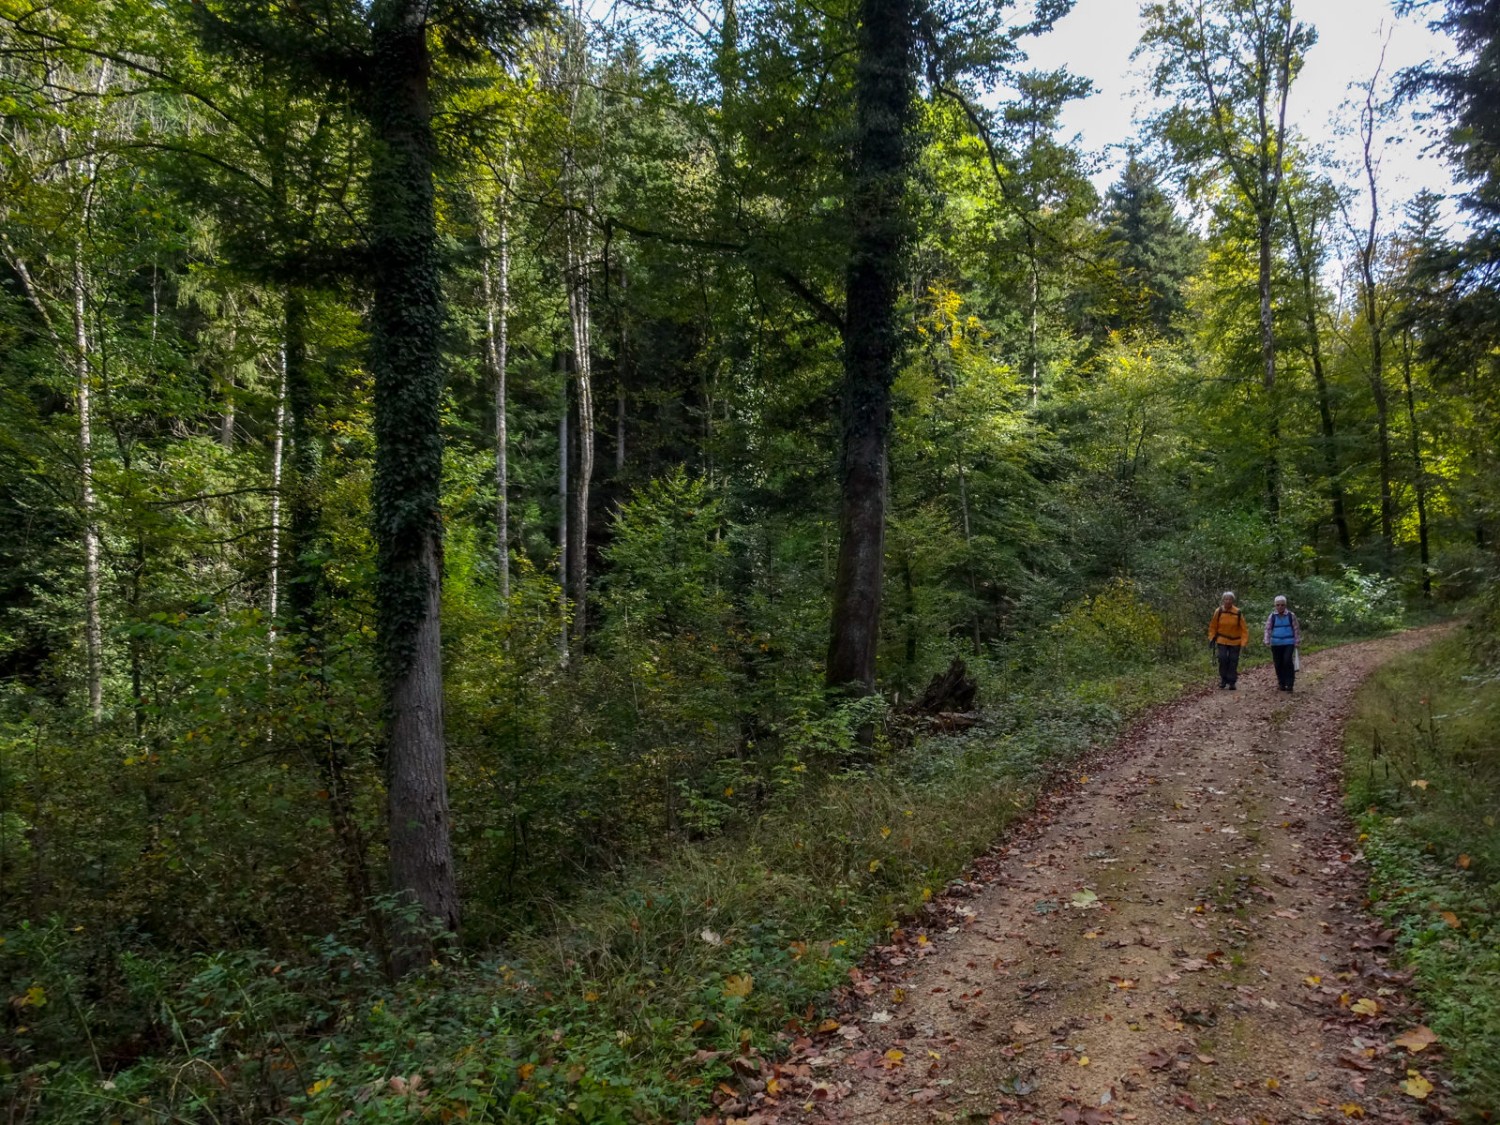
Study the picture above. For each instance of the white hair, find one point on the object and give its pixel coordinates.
(1278, 598)
(1227, 594)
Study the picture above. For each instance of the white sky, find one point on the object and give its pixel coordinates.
(1096, 39)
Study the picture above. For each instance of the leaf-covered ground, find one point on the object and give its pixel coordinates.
(1179, 936)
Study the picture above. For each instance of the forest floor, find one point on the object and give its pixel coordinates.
(1179, 934)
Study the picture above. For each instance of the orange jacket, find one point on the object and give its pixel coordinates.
(1228, 627)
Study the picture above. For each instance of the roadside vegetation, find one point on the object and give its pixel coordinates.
(633, 993)
(1423, 751)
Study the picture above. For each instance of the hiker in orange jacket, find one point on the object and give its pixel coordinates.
(1229, 634)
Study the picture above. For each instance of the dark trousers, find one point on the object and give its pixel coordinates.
(1229, 663)
(1281, 656)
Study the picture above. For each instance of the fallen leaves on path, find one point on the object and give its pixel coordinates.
(1182, 936)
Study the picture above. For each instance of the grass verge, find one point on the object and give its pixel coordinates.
(1423, 774)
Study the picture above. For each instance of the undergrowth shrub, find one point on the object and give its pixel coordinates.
(1116, 624)
(1351, 604)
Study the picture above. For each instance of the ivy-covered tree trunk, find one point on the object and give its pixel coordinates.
(405, 328)
(885, 92)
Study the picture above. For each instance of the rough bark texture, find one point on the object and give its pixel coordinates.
(885, 90)
(405, 326)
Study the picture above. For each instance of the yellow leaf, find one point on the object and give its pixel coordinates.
(1417, 1086)
(1272, 1084)
(926, 894)
(1416, 1039)
(590, 996)
(894, 1056)
(874, 865)
(885, 831)
(1083, 1060)
(773, 1086)
(1365, 1007)
(729, 790)
(1464, 861)
(319, 1086)
(1352, 1109)
(1419, 783)
(1451, 918)
(36, 997)
(828, 1025)
(527, 1070)
(739, 985)
(1312, 982)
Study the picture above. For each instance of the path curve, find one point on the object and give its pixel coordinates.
(1179, 937)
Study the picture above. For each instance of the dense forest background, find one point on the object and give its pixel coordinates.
(714, 376)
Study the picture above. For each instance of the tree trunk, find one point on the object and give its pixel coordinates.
(278, 449)
(405, 327)
(497, 350)
(93, 629)
(1367, 250)
(583, 381)
(562, 523)
(1383, 439)
(304, 574)
(1268, 372)
(1320, 381)
(1419, 469)
(885, 90)
(1032, 358)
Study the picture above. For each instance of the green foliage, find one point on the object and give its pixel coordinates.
(1423, 774)
(624, 1003)
(1352, 604)
(1115, 625)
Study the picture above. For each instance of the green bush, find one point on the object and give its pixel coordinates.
(1116, 625)
(1352, 604)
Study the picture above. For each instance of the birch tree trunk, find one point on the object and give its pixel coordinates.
(583, 381)
(278, 447)
(562, 526)
(497, 349)
(93, 629)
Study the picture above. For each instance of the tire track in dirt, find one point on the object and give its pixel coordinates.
(1181, 937)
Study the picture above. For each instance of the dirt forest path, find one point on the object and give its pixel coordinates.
(1179, 937)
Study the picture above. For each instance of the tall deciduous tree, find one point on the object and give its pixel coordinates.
(1227, 67)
